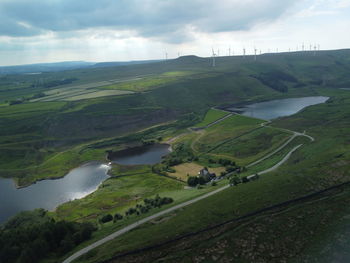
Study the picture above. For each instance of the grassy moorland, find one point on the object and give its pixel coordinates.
(182, 89)
(315, 166)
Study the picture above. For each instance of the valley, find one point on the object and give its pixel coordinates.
(182, 103)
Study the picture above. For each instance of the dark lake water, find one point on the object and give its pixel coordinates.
(80, 182)
(272, 109)
(149, 154)
(49, 194)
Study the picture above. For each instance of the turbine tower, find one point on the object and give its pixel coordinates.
(315, 49)
(213, 56)
(255, 53)
(244, 52)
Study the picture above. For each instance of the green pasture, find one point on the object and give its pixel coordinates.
(229, 128)
(211, 116)
(252, 146)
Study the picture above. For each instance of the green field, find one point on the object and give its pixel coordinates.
(118, 194)
(252, 146)
(229, 128)
(211, 116)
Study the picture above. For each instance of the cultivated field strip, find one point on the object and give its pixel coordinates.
(76, 92)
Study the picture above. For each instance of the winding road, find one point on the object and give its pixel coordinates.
(149, 218)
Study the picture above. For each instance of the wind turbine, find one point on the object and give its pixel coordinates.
(244, 52)
(255, 53)
(315, 48)
(303, 46)
(213, 56)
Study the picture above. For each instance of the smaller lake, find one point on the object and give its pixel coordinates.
(272, 109)
(148, 154)
(48, 194)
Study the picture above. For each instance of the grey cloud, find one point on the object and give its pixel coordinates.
(167, 19)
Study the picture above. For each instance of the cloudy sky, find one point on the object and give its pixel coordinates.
(33, 31)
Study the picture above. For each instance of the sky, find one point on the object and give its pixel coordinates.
(37, 31)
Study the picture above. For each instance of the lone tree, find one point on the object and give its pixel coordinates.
(192, 181)
(117, 217)
(106, 218)
(235, 180)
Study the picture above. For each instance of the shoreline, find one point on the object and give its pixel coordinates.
(15, 179)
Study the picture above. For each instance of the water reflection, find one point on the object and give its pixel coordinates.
(49, 194)
(149, 154)
(269, 110)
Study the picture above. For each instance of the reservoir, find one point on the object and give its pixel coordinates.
(78, 183)
(147, 154)
(48, 194)
(273, 109)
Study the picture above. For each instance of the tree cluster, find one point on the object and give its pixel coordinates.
(223, 162)
(147, 205)
(235, 180)
(32, 237)
(181, 153)
(200, 180)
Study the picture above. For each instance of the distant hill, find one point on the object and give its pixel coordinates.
(125, 63)
(66, 65)
(44, 67)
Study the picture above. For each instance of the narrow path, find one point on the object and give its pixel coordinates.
(219, 120)
(149, 218)
(212, 123)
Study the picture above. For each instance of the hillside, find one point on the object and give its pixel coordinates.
(181, 89)
(54, 122)
(284, 217)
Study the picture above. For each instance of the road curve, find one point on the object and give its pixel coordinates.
(273, 152)
(140, 222)
(149, 218)
(282, 161)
